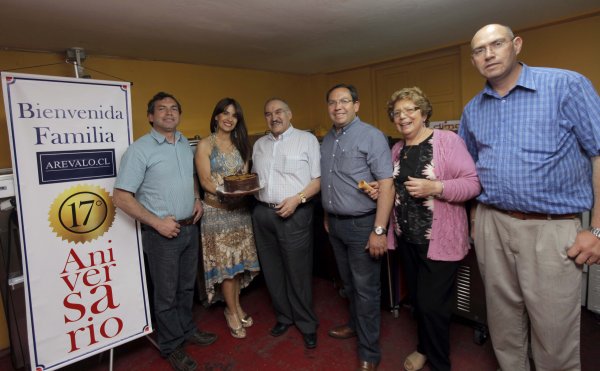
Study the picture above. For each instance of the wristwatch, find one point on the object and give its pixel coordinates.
(595, 231)
(302, 197)
(379, 230)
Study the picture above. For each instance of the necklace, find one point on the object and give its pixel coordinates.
(406, 152)
(417, 142)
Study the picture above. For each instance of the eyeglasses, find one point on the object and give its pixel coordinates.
(343, 102)
(277, 112)
(494, 47)
(409, 111)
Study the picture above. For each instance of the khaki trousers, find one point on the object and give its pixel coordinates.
(533, 289)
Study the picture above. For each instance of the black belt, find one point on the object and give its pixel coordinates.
(344, 217)
(182, 223)
(268, 205)
(274, 206)
(188, 221)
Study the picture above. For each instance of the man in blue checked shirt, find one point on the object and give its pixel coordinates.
(534, 134)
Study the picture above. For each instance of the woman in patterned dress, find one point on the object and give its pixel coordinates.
(228, 248)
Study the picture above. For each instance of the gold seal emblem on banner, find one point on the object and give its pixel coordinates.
(82, 213)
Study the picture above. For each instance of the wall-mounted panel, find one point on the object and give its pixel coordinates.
(437, 74)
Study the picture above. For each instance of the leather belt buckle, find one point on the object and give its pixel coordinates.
(268, 205)
(188, 221)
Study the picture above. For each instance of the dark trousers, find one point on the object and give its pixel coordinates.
(173, 264)
(360, 274)
(285, 250)
(430, 285)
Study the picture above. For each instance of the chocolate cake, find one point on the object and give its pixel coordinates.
(241, 182)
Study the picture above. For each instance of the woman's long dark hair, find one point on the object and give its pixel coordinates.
(239, 135)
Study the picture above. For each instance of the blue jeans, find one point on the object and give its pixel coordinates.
(173, 264)
(360, 274)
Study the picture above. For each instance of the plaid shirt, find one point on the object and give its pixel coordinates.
(532, 147)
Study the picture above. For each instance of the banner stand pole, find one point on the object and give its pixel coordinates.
(152, 341)
(110, 362)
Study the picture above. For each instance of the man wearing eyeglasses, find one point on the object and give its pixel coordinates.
(353, 151)
(287, 163)
(534, 134)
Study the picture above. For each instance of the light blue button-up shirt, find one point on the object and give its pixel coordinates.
(160, 174)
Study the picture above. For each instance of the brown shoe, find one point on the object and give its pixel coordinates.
(367, 366)
(342, 332)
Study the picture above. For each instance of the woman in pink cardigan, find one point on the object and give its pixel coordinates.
(434, 175)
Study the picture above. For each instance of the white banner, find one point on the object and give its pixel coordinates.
(82, 259)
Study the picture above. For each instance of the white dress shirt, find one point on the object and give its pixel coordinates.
(285, 165)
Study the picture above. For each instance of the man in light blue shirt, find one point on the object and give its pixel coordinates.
(534, 134)
(156, 185)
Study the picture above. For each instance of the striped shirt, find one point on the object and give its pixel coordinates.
(160, 174)
(285, 165)
(532, 147)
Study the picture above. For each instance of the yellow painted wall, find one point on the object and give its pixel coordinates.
(570, 44)
(198, 88)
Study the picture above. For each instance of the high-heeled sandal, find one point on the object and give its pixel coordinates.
(246, 320)
(236, 332)
(415, 361)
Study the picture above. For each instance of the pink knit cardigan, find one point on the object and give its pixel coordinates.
(455, 168)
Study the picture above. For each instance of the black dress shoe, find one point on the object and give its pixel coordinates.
(279, 329)
(202, 338)
(310, 340)
(181, 361)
